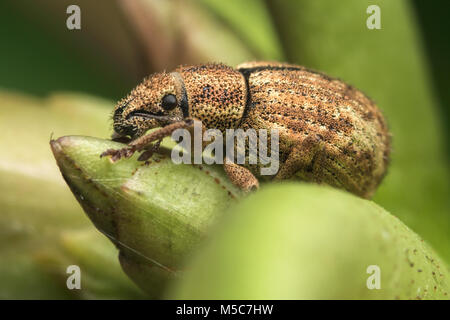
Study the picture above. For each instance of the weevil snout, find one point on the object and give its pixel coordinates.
(153, 103)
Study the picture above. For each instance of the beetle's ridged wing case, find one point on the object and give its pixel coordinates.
(330, 132)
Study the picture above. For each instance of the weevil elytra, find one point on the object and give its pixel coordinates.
(329, 132)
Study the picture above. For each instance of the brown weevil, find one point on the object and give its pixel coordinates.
(329, 132)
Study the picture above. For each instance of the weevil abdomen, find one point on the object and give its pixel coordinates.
(329, 131)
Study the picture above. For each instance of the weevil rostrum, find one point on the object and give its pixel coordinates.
(329, 132)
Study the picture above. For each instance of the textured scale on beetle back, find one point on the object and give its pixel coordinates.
(216, 93)
(329, 131)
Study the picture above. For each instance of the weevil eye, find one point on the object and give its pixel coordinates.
(169, 101)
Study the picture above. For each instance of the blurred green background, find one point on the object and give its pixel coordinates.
(55, 80)
(39, 52)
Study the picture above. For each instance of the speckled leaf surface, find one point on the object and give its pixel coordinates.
(300, 241)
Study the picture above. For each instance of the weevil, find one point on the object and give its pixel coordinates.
(329, 132)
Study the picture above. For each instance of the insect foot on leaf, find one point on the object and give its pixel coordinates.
(117, 154)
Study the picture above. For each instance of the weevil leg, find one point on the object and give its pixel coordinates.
(149, 151)
(240, 176)
(145, 141)
(142, 142)
(302, 157)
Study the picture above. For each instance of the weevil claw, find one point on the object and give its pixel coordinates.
(148, 152)
(117, 154)
(145, 155)
(108, 152)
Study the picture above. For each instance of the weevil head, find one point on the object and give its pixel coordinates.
(154, 103)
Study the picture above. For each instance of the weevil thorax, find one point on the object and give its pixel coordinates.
(153, 103)
(216, 94)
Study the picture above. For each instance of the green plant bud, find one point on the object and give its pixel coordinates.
(299, 241)
(156, 212)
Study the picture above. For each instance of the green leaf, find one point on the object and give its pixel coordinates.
(302, 241)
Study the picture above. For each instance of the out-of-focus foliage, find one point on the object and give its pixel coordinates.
(42, 228)
(252, 22)
(300, 241)
(39, 55)
(433, 31)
